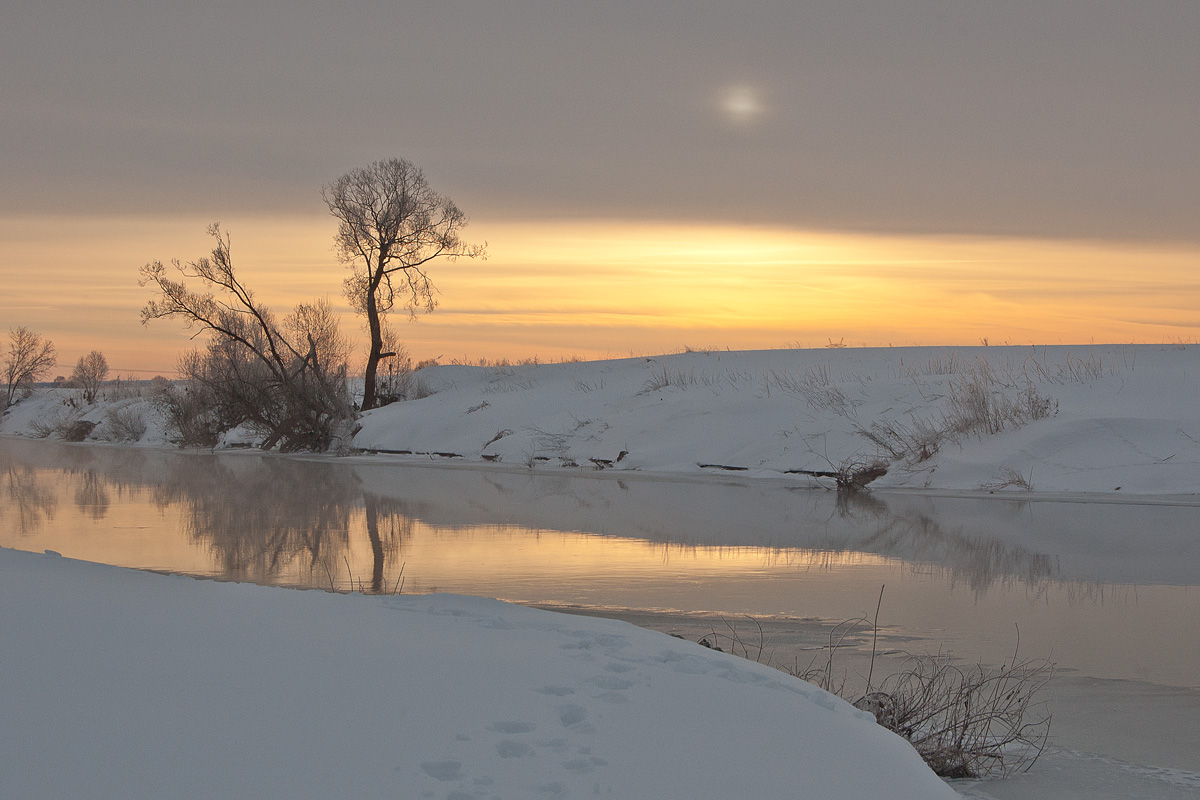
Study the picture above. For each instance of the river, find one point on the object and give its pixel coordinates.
(1107, 591)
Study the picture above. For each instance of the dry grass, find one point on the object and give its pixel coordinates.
(1009, 478)
(982, 400)
(662, 377)
(816, 387)
(966, 722)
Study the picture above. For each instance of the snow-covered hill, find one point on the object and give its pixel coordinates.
(1099, 418)
(1079, 419)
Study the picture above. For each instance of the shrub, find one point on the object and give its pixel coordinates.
(965, 722)
(192, 414)
(285, 378)
(395, 380)
(125, 423)
(75, 430)
(980, 402)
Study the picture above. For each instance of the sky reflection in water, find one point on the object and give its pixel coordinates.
(1107, 589)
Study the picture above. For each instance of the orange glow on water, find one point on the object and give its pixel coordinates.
(605, 288)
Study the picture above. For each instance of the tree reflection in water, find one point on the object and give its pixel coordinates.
(261, 517)
(91, 493)
(33, 499)
(919, 537)
(343, 524)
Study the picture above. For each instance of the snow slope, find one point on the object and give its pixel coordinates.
(1110, 419)
(123, 684)
(1117, 419)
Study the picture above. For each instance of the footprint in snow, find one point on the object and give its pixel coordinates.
(511, 749)
(511, 726)
(443, 770)
(570, 716)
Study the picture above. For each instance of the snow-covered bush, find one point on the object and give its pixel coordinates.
(124, 423)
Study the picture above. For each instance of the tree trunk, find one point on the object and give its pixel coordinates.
(372, 514)
(375, 326)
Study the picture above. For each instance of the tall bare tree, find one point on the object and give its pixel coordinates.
(391, 225)
(29, 358)
(286, 379)
(90, 372)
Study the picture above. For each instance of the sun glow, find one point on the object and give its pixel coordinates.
(611, 288)
(742, 104)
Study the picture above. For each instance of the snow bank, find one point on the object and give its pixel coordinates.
(1109, 419)
(1117, 419)
(122, 684)
(130, 420)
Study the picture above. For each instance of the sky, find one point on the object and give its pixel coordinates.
(647, 176)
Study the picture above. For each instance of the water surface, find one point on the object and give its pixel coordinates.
(1107, 590)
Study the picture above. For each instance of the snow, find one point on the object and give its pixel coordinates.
(1119, 418)
(1123, 419)
(124, 684)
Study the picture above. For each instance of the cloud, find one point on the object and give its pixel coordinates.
(1020, 119)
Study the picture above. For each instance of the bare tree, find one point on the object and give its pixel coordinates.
(286, 379)
(90, 373)
(391, 225)
(29, 358)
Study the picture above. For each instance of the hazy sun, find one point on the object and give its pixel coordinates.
(741, 103)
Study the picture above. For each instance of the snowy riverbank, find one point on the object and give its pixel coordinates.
(1113, 419)
(1106, 419)
(93, 652)
(122, 684)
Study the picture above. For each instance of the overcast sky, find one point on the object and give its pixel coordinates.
(1068, 120)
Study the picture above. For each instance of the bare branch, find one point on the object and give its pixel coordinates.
(29, 359)
(288, 380)
(391, 223)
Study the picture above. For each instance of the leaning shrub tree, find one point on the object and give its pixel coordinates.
(285, 379)
(391, 225)
(29, 359)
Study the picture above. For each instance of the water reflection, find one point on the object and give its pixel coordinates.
(257, 516)
(336, 524)
(324, 523)
(917, 536)
(32, 498)
(960, 573)
(91, 493)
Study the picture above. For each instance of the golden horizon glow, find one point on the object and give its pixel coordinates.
(604, 288)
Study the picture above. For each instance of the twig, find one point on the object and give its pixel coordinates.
(874, 638)
(332, 585)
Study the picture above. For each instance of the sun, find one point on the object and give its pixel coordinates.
(741, 103)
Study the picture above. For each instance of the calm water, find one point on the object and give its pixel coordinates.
(1107, 590)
